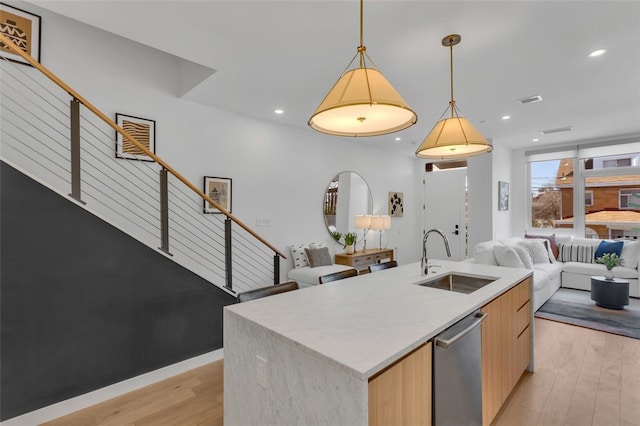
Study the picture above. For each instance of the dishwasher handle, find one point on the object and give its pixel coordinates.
(445, 343)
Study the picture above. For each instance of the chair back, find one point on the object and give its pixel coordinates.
(383, 265)
(338, 276)
(267, 291)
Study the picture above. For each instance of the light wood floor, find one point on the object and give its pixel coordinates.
(583, 377)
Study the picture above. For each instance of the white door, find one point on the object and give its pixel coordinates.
(445, 209)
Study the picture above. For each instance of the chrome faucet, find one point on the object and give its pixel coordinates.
(424, 265)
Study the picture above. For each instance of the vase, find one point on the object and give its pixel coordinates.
(350, 249)
(608, 274)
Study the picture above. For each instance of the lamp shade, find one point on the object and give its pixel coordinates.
(362, 103)
(376, 223)
(453, 137)
(362, 221)
(380, 223)
(386, 222)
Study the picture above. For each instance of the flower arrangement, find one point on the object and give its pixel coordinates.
(336, 236)
(610, 260)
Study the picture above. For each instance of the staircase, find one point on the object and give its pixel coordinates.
(110, 267)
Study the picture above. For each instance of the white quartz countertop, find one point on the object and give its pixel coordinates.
(365, 323)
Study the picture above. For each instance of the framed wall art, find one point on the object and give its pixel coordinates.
(219, 189)
(503, 195)
(396, 204)
(23, 29)
(144, 130)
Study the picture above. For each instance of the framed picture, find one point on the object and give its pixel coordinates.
(219, 189)
(143, 130)
(503, 195)
(396, 204)
(23, 29)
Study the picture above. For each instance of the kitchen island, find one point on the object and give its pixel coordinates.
(306, 357)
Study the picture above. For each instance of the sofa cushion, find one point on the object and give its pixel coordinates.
(576, 253)
(507, 256)
(597, 269)
(609, 247)
(538, 250)
(631, 254)
(552, 242)
(524, 256)
(318, 257)
(483, 253)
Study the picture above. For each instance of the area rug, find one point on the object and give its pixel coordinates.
(577, 308)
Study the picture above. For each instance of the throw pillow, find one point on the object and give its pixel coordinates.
(318, 257)
(298, 255)
(576, 253)
(507, 256)
(552, 242)
(631, 254)
(524, 256)
(609, 247)
(538, 249)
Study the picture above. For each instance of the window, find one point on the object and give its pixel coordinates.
(593, 188)
(629, 199)
(588, 198)
(621, 162)
(547, 181)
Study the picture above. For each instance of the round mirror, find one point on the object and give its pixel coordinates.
(347, 195)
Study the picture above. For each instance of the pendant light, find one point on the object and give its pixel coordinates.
(362, 102)
(453, 137)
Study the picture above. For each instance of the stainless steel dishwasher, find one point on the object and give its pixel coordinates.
(457, 373)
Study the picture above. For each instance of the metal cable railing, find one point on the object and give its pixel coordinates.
(37, 132)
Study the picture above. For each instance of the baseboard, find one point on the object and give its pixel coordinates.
(69, 406)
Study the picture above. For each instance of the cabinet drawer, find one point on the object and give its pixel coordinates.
(522, 355)
(363, 260)
(522, 293)
(523, 316)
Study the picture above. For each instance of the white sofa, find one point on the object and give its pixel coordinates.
(307, 275)
(553, 273)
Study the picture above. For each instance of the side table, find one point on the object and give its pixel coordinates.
(611, 294)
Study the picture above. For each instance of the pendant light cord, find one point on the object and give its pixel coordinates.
(361, 48)
(452, 103)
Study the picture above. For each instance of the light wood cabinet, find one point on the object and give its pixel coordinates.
(362, 259)
(401, 394)
(506, 346)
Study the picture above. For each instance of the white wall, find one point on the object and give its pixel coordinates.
(502, 171)
(279, 173)
(481, 206)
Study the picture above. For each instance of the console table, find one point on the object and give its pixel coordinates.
(612, 294)
(362, 259)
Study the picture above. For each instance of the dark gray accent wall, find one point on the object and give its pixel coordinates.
(84, 305)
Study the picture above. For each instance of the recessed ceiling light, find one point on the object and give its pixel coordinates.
(279, 111)
(398, 139)
(506, 117)
(598, 52)
(535, 140)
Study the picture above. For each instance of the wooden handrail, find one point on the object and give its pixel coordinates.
(15, 49)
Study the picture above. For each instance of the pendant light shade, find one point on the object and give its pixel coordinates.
(453, 137)
(362, 102)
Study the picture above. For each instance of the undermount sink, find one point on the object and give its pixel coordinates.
(457, 282)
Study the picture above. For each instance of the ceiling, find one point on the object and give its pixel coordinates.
(288, 54)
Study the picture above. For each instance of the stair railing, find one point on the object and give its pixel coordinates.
(248, 244)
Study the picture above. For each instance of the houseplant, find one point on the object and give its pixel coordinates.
(610, 260)
(349, 242)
